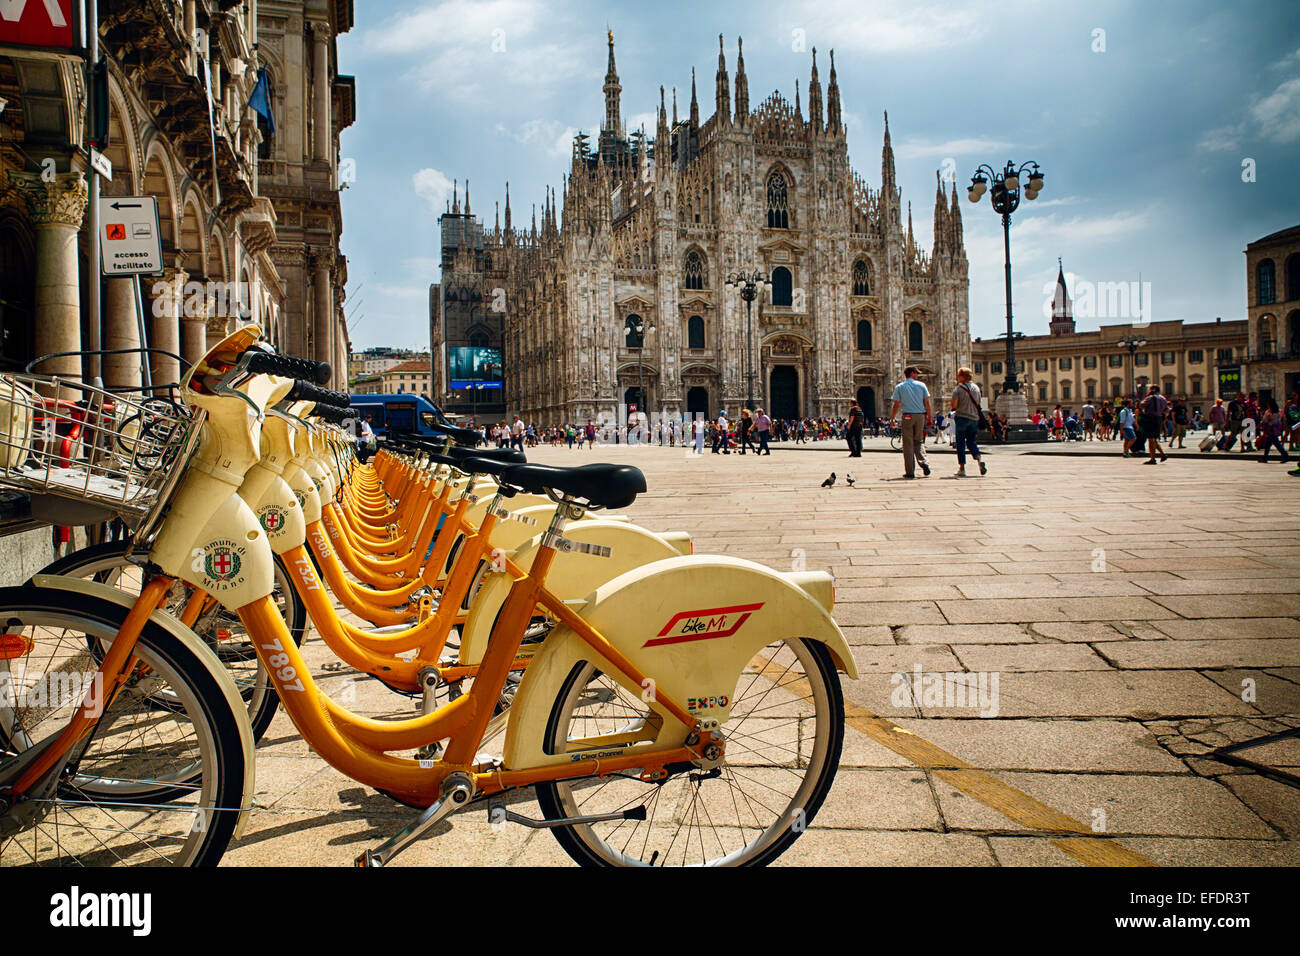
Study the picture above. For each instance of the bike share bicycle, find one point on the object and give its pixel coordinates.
(618, 721)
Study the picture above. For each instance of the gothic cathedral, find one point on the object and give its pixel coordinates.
(618, 298)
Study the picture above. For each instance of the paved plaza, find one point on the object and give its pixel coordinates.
(1134, 619)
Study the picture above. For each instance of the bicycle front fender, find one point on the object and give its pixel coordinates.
(192, 642)
(691, 625)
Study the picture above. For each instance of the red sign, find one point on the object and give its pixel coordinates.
(115, 232)
(38, 23)
(703, 625)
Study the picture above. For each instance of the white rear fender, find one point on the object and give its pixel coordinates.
(691, 624)
(193, 643)
(276, 506)
(573, 574)
(304, 490)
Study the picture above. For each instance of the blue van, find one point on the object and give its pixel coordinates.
(404, 413)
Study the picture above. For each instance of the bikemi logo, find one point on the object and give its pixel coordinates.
(272, 518)
(221, 563)
(76, 909)
(703, 625)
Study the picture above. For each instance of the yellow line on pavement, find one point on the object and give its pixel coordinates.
(989, 790)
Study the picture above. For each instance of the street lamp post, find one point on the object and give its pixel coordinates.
(1132, 343)
(640, 329)
(1005, 199)
(749, 284)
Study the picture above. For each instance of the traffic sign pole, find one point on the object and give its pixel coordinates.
(93, 275)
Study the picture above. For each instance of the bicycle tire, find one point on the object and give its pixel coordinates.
(99, 560)
(109, 784)
(584, 845)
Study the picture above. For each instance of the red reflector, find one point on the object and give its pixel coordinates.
(14, 645)
(224, 634)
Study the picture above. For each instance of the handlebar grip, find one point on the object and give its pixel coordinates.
(331, 413)
(307, 392)
(268, 363)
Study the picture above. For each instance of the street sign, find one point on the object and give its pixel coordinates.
(101, 164)
(52, 25)
(130, 239)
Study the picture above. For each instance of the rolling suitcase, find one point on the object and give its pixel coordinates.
(1207, 443)
(1226, 442)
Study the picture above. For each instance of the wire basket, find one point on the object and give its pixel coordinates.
(122, 451)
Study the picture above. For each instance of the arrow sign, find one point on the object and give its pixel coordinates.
(127, 205)
(132, 243)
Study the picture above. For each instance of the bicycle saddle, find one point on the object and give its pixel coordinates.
(600, 486)
(479, 465)
(505, 455)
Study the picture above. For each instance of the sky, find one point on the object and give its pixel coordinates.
(1168, 130)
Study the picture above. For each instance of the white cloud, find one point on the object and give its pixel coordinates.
(403, 291)
(853, 26)
(552, 136)
(931, 149)
(433, 187)
(1278, 114)
(1223, 139)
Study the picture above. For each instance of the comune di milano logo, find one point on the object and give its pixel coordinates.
(75, 909)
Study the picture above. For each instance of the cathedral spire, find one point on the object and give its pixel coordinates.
(887, 161)
(663, 148)
(534, 230)
(833, 124)
(612, 90)
(695, 105)
(954, 225)
(467, 197)
(911, 239)
(798, 112)
(674, 107)
(722, 91)
(1062, 314)
(497, 225)
(815, 98)
(508, 224)
(455, 197)
(742, 84)
(940, 216)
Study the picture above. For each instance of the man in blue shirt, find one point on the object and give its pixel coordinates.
(912, 398)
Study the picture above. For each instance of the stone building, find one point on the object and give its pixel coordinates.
(240, 210)
(644, 232)
(1273, 313)
(1194, 361)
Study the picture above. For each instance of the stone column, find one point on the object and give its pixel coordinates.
(320, 93)
(56, 209)
(194, 329)
(121, 331)
(164, 325)
(323, 319)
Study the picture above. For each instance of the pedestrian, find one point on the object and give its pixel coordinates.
(1218, 419)
(1236, 420)
(1271, 427)
(1151, 414)
(1058, 424)
(1180, 421)
(746, 423)
(1088, 417)
(720, 435)
(516, 433)
(365, 438)
(966, 415)
(912, 399)
(1125, 421)
(763, 425)
(853, 433)
(591, 435)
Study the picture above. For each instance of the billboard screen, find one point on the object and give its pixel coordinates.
(470, 366)
(43, 24)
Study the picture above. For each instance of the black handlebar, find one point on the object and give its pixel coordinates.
(331, 413)
(268, 363)
(307, 392)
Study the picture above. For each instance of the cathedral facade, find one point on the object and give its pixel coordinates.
(617, 298)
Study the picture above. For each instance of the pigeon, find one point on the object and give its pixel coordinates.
(850, 480)
(829, 481)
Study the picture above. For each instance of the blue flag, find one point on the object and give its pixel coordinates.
(260, 101)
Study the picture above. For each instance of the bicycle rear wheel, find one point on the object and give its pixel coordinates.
(158, 780)
(783, 740)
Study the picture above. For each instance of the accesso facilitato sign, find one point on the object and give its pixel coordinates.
(40, 24)
(129, 238)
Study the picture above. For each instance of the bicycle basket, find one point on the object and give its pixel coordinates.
(122, 451)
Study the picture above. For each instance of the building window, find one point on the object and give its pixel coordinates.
(778, 211)
(1168, 358)
(1265, 283)
(1196, 356)
(1225, 355)
(995, 368)
(1140, 359)
(478, 340)
(1020, 365)
(861, 285)
(694, 271)
(632, 338)
(1065, 391)
(864, 335)
(1115, 361)
(979, 368)
(1292, 270)
(1196, 386)
(1090, 361)
(1042, 393)
(915, 337)
(695, 332)
(1065, 364)
(1040, 365)
(1092, 391)
(1114, 388)
(782, 286)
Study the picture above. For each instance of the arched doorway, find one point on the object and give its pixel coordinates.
(785, 392)
(634, 396)
(867, 402)
(697, 400)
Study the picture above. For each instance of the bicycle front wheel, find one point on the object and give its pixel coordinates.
(783, 741)
(159, 779)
